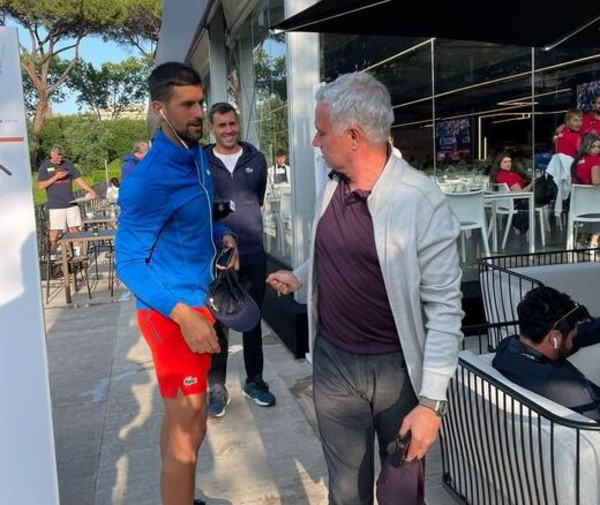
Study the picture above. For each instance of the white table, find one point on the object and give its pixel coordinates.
(496, 197)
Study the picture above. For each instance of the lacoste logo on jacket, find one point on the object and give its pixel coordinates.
(249, 170)
(190, 381)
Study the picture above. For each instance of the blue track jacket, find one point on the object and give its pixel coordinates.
(165, 241)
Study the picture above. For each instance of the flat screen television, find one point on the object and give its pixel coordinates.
(586, 92)
(453, 138)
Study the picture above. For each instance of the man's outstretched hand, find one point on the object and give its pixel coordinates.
(284, 282)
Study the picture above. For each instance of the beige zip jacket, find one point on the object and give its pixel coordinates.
(415, 236)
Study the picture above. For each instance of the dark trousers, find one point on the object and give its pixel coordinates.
(252, 275)
(357, 397)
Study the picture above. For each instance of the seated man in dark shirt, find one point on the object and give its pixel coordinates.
(552, 327)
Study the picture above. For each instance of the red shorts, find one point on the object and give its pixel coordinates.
(177, 367)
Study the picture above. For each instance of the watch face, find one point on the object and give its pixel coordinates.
(440, 407)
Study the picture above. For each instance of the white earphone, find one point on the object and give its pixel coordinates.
(161, 112)
(200, 170)
(555, 343)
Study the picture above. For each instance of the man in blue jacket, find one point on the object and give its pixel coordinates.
(130, 160)
(239, 172)
(165, 248)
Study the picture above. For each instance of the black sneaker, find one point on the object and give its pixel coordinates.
(259, 392)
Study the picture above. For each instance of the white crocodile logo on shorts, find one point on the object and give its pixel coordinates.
(190, 381)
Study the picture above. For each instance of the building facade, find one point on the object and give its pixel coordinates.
(456, 103)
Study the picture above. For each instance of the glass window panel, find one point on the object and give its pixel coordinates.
(563, 79)
(404, 66)
(483, 103)
(261, 95)
(485, 98)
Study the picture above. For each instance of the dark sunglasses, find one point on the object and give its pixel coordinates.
(575, 308)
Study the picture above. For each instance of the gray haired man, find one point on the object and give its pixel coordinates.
(384, 296)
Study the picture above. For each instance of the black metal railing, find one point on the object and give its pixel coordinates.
(501, 447)
(502, 288)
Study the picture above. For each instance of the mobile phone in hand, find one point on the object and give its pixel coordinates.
(224, 256)
(397, 449)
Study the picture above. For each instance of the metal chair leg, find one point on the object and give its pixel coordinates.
(48, 275)
(86, 277)
(111, 272)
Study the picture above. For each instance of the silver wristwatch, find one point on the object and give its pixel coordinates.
(440, 407)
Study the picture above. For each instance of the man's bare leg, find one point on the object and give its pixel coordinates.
(53, 236)
(182, 433)
(74, 229)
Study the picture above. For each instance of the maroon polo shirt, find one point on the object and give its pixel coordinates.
(354, 310)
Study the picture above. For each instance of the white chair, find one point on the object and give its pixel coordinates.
(584, 208)
(507, 208)
(469, 209)
(504, 208)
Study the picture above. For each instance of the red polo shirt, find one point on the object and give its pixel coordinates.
(510, 178)
(583, 172)
(567, 142)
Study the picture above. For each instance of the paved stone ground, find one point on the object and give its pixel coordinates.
(107, 414)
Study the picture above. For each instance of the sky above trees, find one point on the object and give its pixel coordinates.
(96, 51)
(53, 32)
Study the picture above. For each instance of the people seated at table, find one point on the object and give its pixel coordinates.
(112, 192)
(503, 172)
(586, 166)
(551, 327)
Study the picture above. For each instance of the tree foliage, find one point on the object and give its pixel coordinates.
(89, 141)
(271, 78)
(124, 132)
(273, 130)
(113, 88)
(30, 93)
(55, 29)
(271, 102)
(140, 27)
